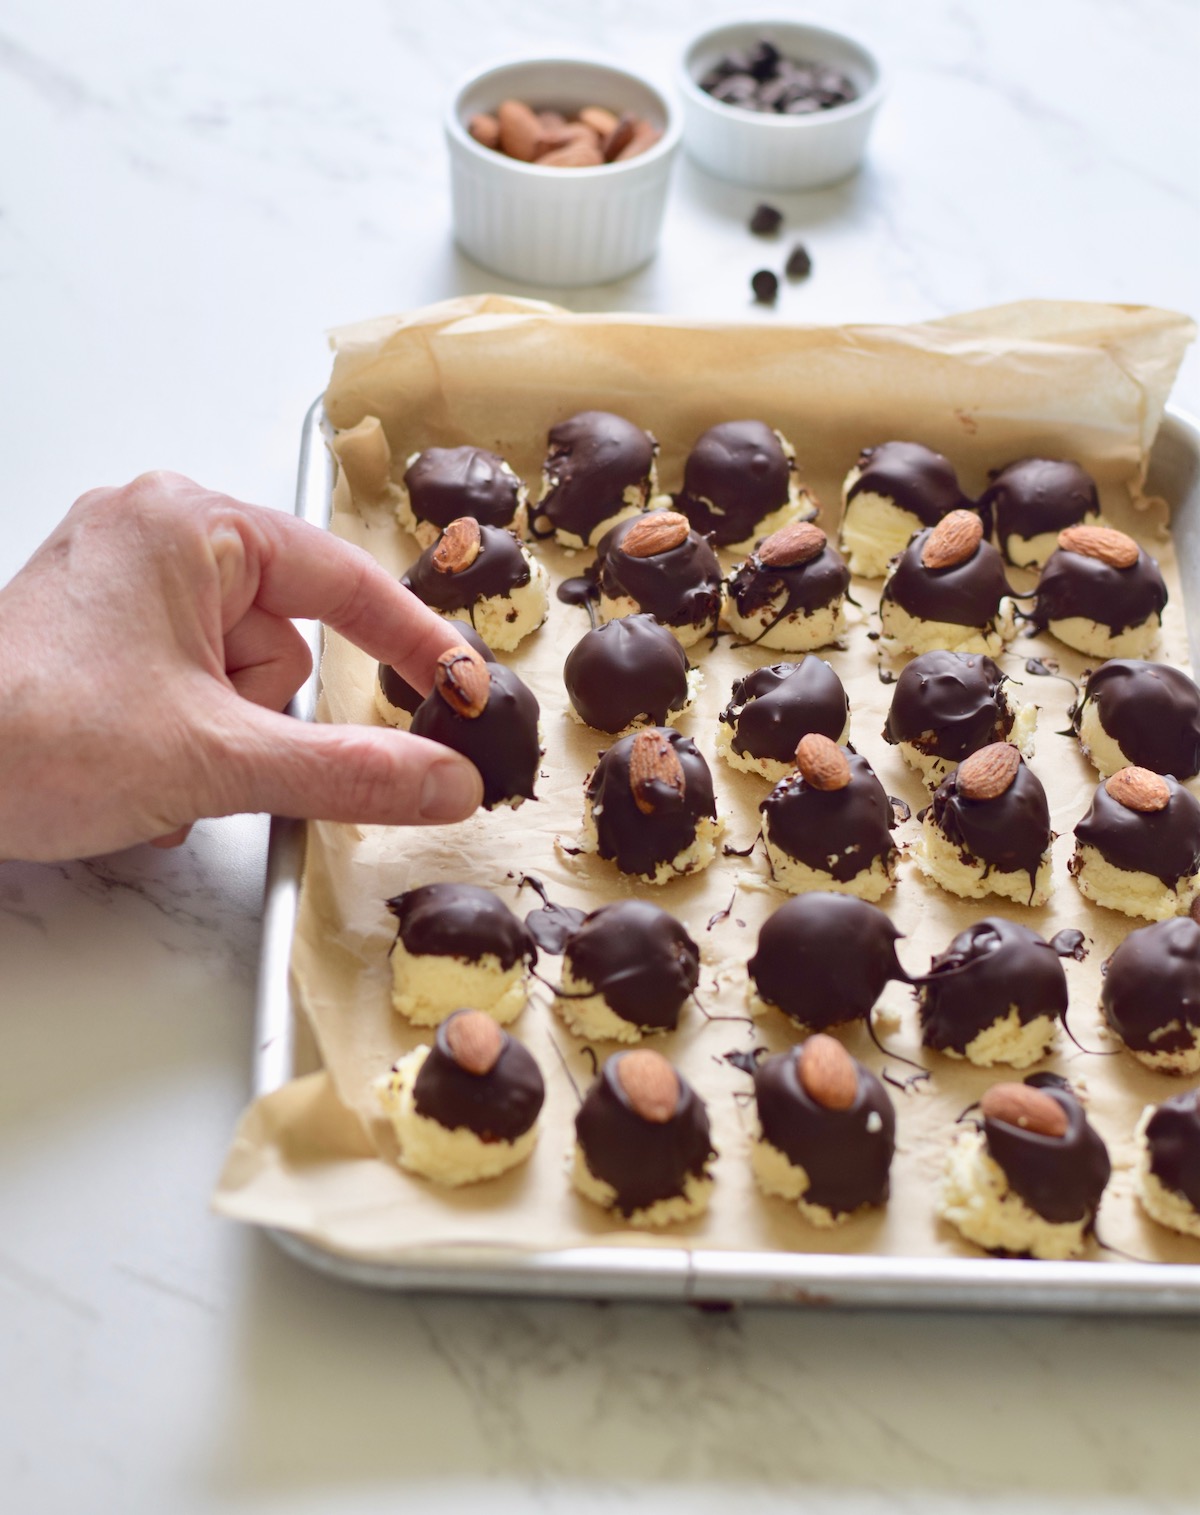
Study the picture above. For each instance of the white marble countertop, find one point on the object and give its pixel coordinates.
(191, 195)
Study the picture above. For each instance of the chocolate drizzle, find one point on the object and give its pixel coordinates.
(500, 567)
(1060, 1178)
(736, 475)
(1173, 1137)
(1163, 843)
(948, 705)
(803, 587)
(823, 959)
(988, 969)
(841, 832)
(1152, 983)
(1151, 711)
(679, 587)
(1039, 495)
(502, 742)
(498, 1106)
(846, 1161)
(593, 458)
(400, 693)
(626, 670)
(773, 707)
(967, 594)
(462, 921)
(912, 477)
(1117, 598)
(1009, 833)
(444, 483)
(643, 1161)
(637, 841)
(640, 959)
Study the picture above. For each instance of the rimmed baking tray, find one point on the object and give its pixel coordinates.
(698, 1276)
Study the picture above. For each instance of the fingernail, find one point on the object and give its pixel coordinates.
(230, 556)
(450, 791)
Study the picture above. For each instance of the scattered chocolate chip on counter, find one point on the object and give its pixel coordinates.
(592, 138)
(761, 79)
(765, 285)
(766, 220)
(799, 263)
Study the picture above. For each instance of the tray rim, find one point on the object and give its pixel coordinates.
(703, 1277)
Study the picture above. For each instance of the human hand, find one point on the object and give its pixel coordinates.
(146, 652)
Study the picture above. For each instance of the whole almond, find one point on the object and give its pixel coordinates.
(644, 138)
(476, 1041)
(658, 531)
(653, 765)
(1102, 542)
(459, 546)
(602, 122)
(953, 540)
(485, 129)
(619, 138)
(519, 130)
(827, 1072)
(651, 1085)
(566, 134)
(575, 155)
(1025, 1107)
(822, 763)
(791, 545)
(1139, 789)
(463, 681)
(551, 120)
(988, 773)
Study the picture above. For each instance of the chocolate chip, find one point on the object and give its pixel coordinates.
(799, 264)
(759, 78)
(766, 220)
(765, 285)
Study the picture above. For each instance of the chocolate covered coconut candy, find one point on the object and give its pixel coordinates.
(1150, 995)
(790, 592)
(1137, 850)
(443, 483)
(947, 591)
(465, 1109)
(627, 673)
(740, 482)
(1168, 1169)
(486, 572)
(659, 565)
(773, 707)
(826, 1132)
(599, 469)
(643, 1147)
(628, 970)
(457, 944)
(1028, 1182)
(987, 829)
(484, 711)
(1135, 713)
(1101, 594)
(947, 705)
(395, 698)
(894, 490)
(1034, 499)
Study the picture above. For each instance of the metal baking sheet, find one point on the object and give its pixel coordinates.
(708, 1278)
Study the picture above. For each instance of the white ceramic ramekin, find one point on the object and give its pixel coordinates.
(775, 151)
(563, 226)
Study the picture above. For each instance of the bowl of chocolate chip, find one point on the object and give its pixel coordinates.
(778, 104)
(559, 169)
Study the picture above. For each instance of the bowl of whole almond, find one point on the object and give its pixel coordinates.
(559, 169)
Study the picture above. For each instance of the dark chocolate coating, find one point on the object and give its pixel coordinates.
(735, 476)
(595, 457)
(1151, 711)
(1151, 980)
(502, 742)
(986, 970)
(444, 483)
(948, 705)
(499, 568)
(913, 477)
(853, 825)
(498, 1106)
(1173, 1135)
(644, 1161)
(1118, 598)
(640, 842)
(810, 586)
(968, 594)
(847, 1164)
(1037, 495)
(1009, 833)
(639, 958)
(1163, 843)
(680, 587)
(1060, 1178)
(823, 959)
(773, 707)
(460, 920)
(400, 692)
(626, 669)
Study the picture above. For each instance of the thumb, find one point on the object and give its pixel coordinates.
(341, 773)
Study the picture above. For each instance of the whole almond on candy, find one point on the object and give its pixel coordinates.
(653, 766)
(1139, 789)
(463, 681)
(476, 1041)
(1025, 1107)
(988, 773)
(1100, 542)
(822, 763)
(953, 540)
(827, 1072)
(658, 531)
(791, 545)
(459, 546)
(650, 1083)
